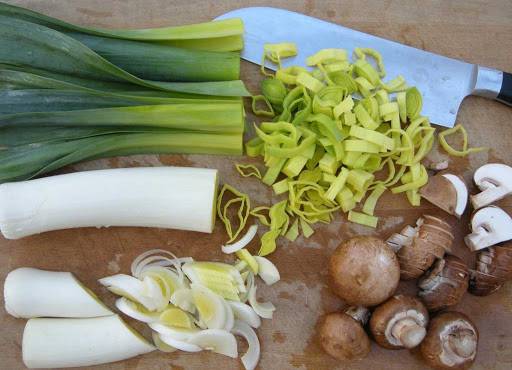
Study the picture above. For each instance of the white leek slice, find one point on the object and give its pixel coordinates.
(30, 292)
(230, 316)
(267, 270)
(243, 242)
(179, 344)
(252, 356)
(153, 290)
(183, 334)
(244, 312)
(136, 311)
(56, 343)
(165, 197)
(210, 307)
(263, 309)
(157, 257)
(218, 341)
(160, 344)
(174, 316)
(129, 287)
(184, 299)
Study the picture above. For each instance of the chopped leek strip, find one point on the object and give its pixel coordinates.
(327, 56)
(371, 201)
(454, 152)
(363, 219)
(309, 82)
(262, 112)
(293, 231)
(248, 170)
(364, 146)
(242, 211)
(281, 187)
(248, 258)
(364, 117)
(395, 85)
(361, 54)
(289, 75)
(337, 184)
(256, 212)
(372, 137)
(307, 230)
(414, 103)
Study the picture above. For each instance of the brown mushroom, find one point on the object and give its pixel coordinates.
(342, 334)
(364, 271)
(448, 192)
(444, 284)
(418, 247)
(493, 269)
(451, 342)
(399, 322)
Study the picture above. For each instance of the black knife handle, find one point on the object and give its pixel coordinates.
(505, 94)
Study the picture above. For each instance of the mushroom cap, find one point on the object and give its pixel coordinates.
(490, 226)
(444, 284)
(493, 268)
(448, 192)
(401, 315)
(451, 341)
(433, 238)
(364, 271)
(343, 338)
(495, 182)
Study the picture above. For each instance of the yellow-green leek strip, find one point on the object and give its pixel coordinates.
(293, 231)
(254, 147)
(309, 82)
(364, 118)
(414, 103)
(372, 137)
(360, 179)
(274, 90)
(242, 213)
(279, 220)
(395, 85)
(289, 75)
(327, 56)
(364, 69)
(263, 218)
(248, 170)
(362, 219)
(337, 184)
(365, 87)
(281, 187)
(455, 152)
(415, 182)
(244, 255)
(354, 145)
(361, 53)
(269, 112)
(371, 201)
(307, 230)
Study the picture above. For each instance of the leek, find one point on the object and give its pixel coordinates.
(217, 35)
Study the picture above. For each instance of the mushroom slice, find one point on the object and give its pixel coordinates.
(495, 182)
(342, 335)
(448, 192)
(490, 226)
(444, 284)
(418, 247)
(451, 342)
(400, 322)
(493, 268)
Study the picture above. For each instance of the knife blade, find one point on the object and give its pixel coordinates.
(444, 82)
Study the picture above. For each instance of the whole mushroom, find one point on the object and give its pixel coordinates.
(495, 182)
(342, 334)
(364, 271)
(451, 342)
(444, 284)
(400, 322)
(493, 269)
(490, 226)
(448, 192)
(418, 247)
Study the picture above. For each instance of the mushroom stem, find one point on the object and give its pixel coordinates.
(359, 313)
(462, 343)
(408, 332)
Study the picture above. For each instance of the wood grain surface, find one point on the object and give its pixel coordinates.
(476, 31)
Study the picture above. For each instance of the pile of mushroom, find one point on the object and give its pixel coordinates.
(451, 342)
(418, 247)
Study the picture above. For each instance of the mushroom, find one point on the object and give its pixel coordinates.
(418, 247)
(495, 182)
(490, 226)
(444, 284)
(451, 342)
(342, 335)
(399, 322)
(448, 192)
(364, 271)
(493, 269)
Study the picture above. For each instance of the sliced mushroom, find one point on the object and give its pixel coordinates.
(493, 269)
(490, 226)
(448, 192)
(364, 271)
(399, 322)
(342, 334)
(495, 182)
(418, 247)
(451, 342)
(444, 284)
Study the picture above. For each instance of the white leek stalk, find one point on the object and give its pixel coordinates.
(30, 292)
(57, 343)
(167, 197)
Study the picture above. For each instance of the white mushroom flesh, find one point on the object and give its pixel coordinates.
(459, 341)
(490, 226)
(495, 182)
(401, 322)
(462, 193)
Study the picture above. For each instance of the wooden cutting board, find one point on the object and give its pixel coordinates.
(476, 31)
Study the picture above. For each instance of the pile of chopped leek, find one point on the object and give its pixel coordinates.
(339, 138)
(193, 306)
(70, 93)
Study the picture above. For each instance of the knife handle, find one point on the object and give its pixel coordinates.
(505, 94)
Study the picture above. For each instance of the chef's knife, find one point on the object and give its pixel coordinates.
(444, 82)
